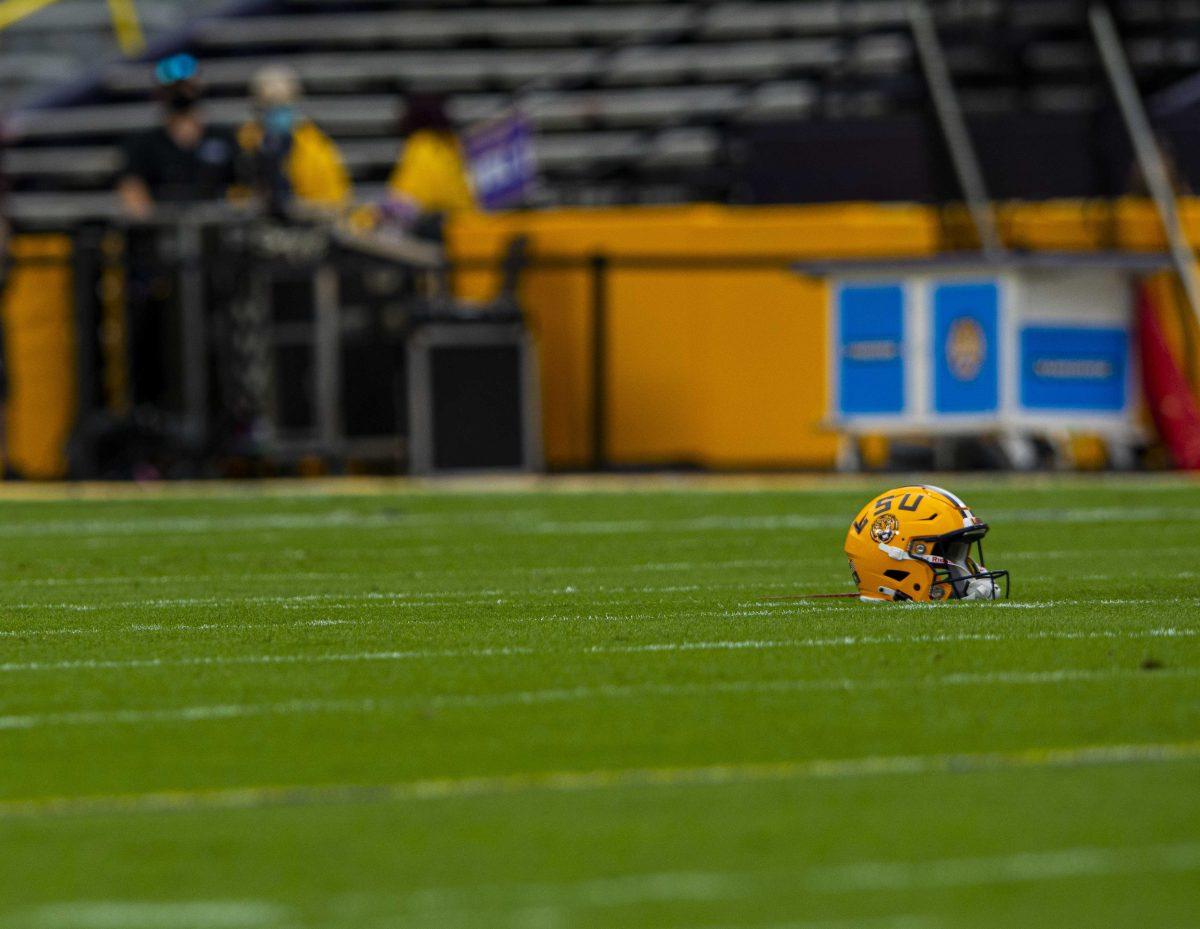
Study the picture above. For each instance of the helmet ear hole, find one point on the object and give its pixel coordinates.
(895, 574)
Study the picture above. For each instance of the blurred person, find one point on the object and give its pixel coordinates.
(182, 160)
(430, 180)
(286, 155)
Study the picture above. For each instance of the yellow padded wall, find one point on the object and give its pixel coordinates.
(718, 366)
(40, 355)
(710, 365)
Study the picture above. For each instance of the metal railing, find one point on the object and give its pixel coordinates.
(218, 267)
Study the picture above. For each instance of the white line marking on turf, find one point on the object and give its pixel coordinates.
(134, 580)
(175, 627)
(533, 522)
(398, 598)
(208, 712)
(1024, 867)
(906, 921)
(229, 525)
(137, 914)
(408, 620)
(407, 571)
(459, 598)
(557, 903)
(715, 775)
(481, 900)
(403, 570)
(96, 664)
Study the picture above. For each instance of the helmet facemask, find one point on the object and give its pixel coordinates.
(956, 574)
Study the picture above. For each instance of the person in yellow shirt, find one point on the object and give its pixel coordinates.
(430, 180)
(287, 157)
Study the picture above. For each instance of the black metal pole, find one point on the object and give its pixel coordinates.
(85, 262)
(599, 273)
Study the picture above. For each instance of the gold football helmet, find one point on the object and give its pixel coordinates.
(914, 543)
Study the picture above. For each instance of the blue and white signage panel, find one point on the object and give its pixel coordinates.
(966, 347)
(1074, 368)
(870, 349)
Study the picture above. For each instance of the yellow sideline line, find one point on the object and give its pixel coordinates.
(354, 486)
(254, 797)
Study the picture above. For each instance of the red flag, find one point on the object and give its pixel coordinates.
(1176, 413)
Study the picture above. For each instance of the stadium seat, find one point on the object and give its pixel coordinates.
(616, 89)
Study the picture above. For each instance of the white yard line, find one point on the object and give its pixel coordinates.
(461, 597)
(138, 914)
(172, 627)
(1023, 867)
(398, 570)
(271, 522)
(482, 900)
(405, 571)
(715, 775)
(136, 580)
(533, 522)
(120, 664)
(388, 598)
(559, 903)
(207, 712)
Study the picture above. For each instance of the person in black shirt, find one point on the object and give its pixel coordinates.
(182, 160)
(179, 162)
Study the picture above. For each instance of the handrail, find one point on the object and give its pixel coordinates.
(954, 128)
(126, 25)
(1149, 156)
(13, 11)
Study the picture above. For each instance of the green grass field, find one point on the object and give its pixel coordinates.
(550, 710)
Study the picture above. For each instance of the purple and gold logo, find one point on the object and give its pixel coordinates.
(966, 348)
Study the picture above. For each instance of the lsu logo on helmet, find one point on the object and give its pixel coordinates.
(914, 543)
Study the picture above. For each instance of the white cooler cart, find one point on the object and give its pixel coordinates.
(1033, 345)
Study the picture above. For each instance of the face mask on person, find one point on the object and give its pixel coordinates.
(279, 120)
(180, 99)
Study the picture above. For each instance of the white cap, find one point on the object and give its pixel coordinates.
(276, 85)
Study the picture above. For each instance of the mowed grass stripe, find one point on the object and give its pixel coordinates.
(253, 797)
(225, 711)
(417, 654)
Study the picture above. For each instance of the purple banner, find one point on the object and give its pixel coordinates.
(502, 161)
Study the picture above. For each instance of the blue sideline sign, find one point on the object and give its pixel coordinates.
(870, 349)
(966, 347)
(1074, 368)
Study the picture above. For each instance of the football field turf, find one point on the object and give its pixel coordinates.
(550, 709)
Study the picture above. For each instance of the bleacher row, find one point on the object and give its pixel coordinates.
(632, 100)
(65, 41)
